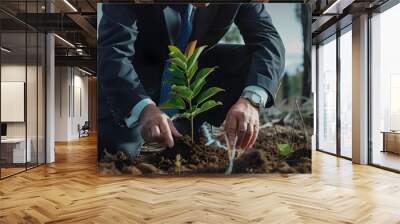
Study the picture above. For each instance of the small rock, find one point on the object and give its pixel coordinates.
(146, 168)
(133, 170)
(192, 166)
(285, 168)
(185, 169)
(171, 169)
(213, 159)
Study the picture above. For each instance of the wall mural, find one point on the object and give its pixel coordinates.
(204, 88)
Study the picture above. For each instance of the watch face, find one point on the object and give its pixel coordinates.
(255, 98)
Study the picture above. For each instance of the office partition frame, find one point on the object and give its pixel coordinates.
(339, 31)
(43, 55)
(336, 35)
(381, 9)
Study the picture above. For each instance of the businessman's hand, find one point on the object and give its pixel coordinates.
(157, 127)
(242, 121)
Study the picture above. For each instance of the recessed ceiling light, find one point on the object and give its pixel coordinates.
(70, 5)
(5, 50)
(64, 40)
(337, 7)
(84, 71)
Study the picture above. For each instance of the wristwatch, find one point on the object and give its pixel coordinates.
(254, 99)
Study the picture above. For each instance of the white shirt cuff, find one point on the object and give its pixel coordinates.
(133, 119)
(259, 91)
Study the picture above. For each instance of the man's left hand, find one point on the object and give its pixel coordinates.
(242, 121)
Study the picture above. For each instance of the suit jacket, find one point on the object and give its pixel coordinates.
(133, 48)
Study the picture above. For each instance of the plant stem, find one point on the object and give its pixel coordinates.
(302, 121)
(191, 116)
(191, 122)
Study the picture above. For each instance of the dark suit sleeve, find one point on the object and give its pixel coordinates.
(118, 80)
(268, 53)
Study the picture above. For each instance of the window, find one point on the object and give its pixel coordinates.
(327, 96)
(385, 89)
(346, 94)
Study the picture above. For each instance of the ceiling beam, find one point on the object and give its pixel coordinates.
(86, 27)
(337, 7)
(82, 61)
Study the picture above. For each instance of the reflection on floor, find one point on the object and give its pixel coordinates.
(386, 159)
(10, 171)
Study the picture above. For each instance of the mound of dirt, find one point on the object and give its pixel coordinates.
(199, 158)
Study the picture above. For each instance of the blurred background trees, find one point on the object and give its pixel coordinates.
(296, 82)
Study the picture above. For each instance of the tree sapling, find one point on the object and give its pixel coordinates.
(187, 84)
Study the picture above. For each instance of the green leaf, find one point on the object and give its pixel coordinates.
(203, 73)
(176, 52)
(196, 87)
(182, 91)
(175, 102)
(176, 71)
(206, 106)
(178, 62)
(186, 115)
(200, 80)
(176, 81)
(208, 93)
(285, 149)
(193, 59)
(191, 72)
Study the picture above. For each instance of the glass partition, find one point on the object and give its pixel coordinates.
(346, 93)
(22, 64)
(32, 97)
(14, 144)
(41, 97)
(385, 89)
(327, 96)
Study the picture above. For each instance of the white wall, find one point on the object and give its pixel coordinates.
(71, 103)
(61, 103)
(12, 73)
(80, 110)
(17, 73)
(33, 126)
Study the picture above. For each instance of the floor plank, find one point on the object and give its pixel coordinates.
(70, 191)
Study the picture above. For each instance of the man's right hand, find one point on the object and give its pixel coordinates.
(157, 127)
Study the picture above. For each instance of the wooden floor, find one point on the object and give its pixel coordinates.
(5, 172)
(70, 191)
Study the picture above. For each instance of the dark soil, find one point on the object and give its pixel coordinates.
(199, 158)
